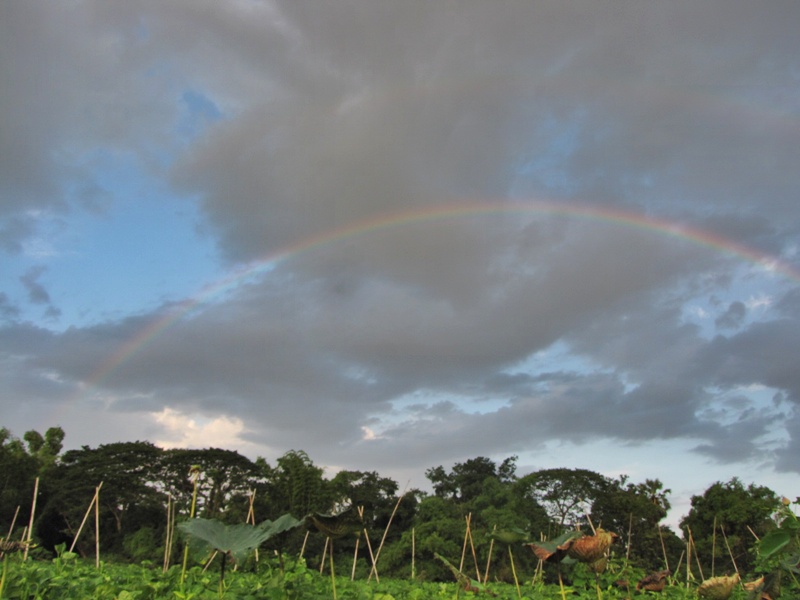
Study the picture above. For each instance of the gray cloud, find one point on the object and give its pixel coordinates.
(327, 136)
(37, 294)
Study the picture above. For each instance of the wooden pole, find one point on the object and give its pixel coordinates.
(30, 523)
(383, 539)
(97, 527)
(489, 558)
(324, 554)
(355, 559)
(303, 547)
(14, 522)
(413, 554)
(464, 546)
(730, 552)
(663, 547)
(251, 515)
(85, 517)
(713, 545)
(474, 554)
(167, 540)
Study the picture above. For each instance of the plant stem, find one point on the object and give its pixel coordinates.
(514, 571)
(333, 575)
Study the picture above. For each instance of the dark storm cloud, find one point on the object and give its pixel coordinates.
(439, 335)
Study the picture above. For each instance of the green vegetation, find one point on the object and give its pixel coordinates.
(555, 533)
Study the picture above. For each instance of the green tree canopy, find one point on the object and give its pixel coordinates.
(567, 495)
(739, 514)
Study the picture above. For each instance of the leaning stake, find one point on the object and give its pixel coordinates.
(30, 523)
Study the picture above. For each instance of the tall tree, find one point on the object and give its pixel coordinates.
(738, 512)
(130, 498)
(634, 512)
(566, 494)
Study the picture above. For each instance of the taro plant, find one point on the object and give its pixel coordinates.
(779, 550)
(510, 537)
(234, 541)
(347, 522)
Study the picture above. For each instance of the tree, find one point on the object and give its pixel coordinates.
(566, 494)
(738, 512)
(226, 477)
(634, 512)
(467, 479)
(129, 499)
(18, 471)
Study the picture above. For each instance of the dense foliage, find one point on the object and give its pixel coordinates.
(142, 491)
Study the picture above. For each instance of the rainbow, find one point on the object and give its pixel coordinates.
(431, 214)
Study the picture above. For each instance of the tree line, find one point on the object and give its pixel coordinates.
(141, 482)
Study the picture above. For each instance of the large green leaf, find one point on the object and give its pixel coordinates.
(238, 540)
(773, 542)
(334, 526)
(282, 524)
(509, 536)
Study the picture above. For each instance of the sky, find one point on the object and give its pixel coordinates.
(397, 235)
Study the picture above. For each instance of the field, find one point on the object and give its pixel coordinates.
(70, 578)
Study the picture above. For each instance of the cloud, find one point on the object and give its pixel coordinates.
(37, 294)
(333, 148)
(732, 317)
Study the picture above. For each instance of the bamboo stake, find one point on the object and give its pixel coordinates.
(373, 558)
(464, 546)
(355, 558)
(714, 546)
(85, 517)
(251, 515)
(303, 547)
(663, 547)
(489, 558)
(30, 523)
(696, 555)
(97, 527)
(733, 560)
(324, 554)
(588, 518)
(474, 554)
(680, 562)
(748, 529)
(385, 532)
(167, 540)
(172, 532)
(14, 522)
(688, 560)
(413, 554)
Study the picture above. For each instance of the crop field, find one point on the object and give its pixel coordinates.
(70, 578)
